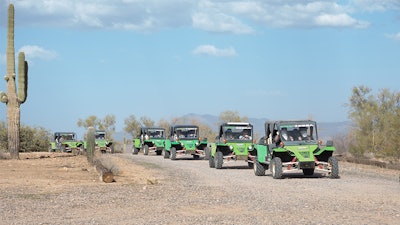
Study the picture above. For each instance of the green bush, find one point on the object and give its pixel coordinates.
(376, 122)
(32, 139)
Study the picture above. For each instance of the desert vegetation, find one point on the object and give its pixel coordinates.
(373, 137)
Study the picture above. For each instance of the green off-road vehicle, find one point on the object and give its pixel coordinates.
(150, 139)
(184, 140)
(65, 142)
(294, 145)
(102, 143)
(234, 142)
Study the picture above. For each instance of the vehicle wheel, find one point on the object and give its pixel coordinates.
(165, 154)
(219, 160)
(259, 169)
(251, 165)
(145, 150)
(308, 172)
(173, 153)
(276, 168)
(333, 165)
(135, 150)
(207, 153)
(196, 157)
(211, 162)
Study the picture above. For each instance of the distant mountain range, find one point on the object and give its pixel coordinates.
(326, 130)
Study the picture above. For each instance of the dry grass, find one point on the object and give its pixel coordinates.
(387, 164)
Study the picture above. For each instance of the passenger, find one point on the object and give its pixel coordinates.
(284, 134)
(303, 133)
(277, 138)
(245, 135)
(175, 137)
(229, 135)
(295, 135)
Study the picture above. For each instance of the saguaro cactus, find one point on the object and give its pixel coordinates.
(90, 140)
(12, 98)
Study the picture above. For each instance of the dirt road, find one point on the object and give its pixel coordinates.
(153, 190)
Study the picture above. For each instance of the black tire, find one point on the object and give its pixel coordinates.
(219, 160)
(259, 169)
(173, 153)
(211, 162)
(251, 165)
(276, 168)
(207, 153)
(196, 157)
(145, 150)
(135, 151)
(308, 172)
(333, 165)
(165, 153)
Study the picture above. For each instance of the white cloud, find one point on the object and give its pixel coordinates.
(374, 5)
(214, 51)
(339, 20)
(220, 23)
(210, 16)
(306, 14)
(228, 16)
(33, 51)
(394, 36)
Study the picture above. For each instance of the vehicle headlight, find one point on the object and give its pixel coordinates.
(231, 147)
(197, 143)
(250, 147)
(182, 144)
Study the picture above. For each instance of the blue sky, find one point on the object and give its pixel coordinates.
(162, 59)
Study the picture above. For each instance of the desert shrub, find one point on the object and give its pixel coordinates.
(32, 139)
(376, 121)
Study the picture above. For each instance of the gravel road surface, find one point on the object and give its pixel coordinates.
(187, 191)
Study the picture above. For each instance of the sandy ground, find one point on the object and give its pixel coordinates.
(52, 171)
(56, 188)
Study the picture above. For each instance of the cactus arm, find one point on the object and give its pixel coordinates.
(22, 78)
(3, 97)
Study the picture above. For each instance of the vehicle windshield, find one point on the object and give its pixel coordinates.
(100, 135)
(156, 133)
(300, 131)
(238, 132)
(65, 137)
(187, 132)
